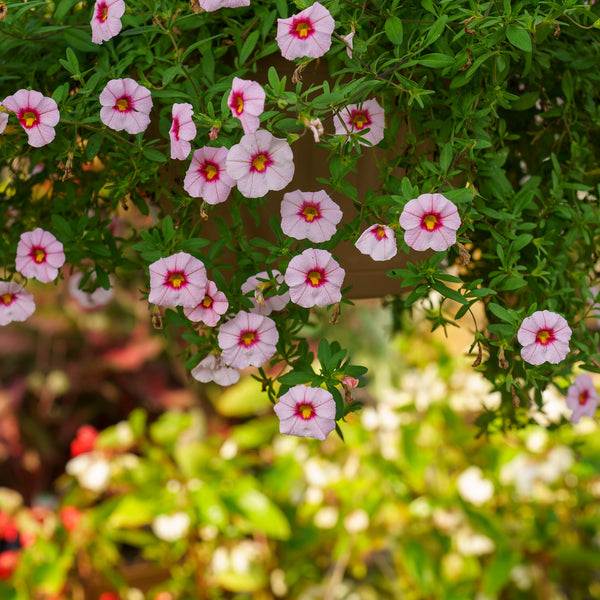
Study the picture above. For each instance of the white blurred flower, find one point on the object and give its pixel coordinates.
(473, 487)
(447, 520)
(277, 580)
(91, 469)
(554, 408)
(134, 594)
(471, 543)
(220, 560)
(171, 528)
(537, 441)
(521, 576)
(228, 449)
(124, 433)
(314, 495)
(522, 472)
(320, 473)
(326, 517)
(370, 418)
(558, 461)
(357, 520)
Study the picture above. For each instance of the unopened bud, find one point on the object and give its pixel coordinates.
(214, 132)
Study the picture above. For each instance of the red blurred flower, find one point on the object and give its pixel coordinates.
(109, 596)
(8, 528)
(85, 440)
(70, 517)
(9, 559)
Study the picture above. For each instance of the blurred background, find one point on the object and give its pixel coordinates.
(176, 490)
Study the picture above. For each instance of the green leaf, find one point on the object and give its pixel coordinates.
(435, 31)
(436, 60)
(72, 60)
(518, 37)
(394, 30)
(296, 378)
(500, 312)
(248, 46)
(154, 155)
(263, 515)
(93, 145)
(132, 511)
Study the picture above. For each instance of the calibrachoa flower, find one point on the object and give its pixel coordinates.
(545, 337)
(379, 242)
(177, 280)
(15, 303)
(247, 103)
(213, 368)
(106, 20)
(259, 284)
(358, 117)
(206, 177)
(306, 34)
(306, 412)
(89, 300)
(37, 114)
(315, 278)
(212, 5)
(348, 41)
(210, 308)
(125, 105)
(182, 131)
(3, 120)
(39, 255)
(430, 221)
(582, 398)
(260, 163)
(248, 339)
(309, 215)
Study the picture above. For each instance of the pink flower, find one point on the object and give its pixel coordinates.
(85, 440)
(347, 39)
(15, 303)
(3, 119)
(582, 398)
(358, 117)
(306, 34)
(430, 221)
(259, 284)
(106, 20)
(39, 255)
(247, 103)
(37, 114)
(350, 382)
(248, 339)
(545, 338)
(210, 309)
(315, 278)
(212, 5)
(317, 129)
(182, 131)
(260, 163)
(213, 368)
(309, 215)
(306, 412)
(89, 300)
(177, 280)
(125, 105)
(379, 242)
(206, 177)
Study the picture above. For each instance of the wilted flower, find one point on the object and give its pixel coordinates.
(182, 131)
(177, 280)
(248, 339)
(430, 221)
(309, 215)
(213, 368)
(378, 242)
(210, 308)
(306, 34)
(545, 337)
(15, 303)
(89, 300)
(582, 398)
(206, 177)
(317, 129)
(36, 113)
(125, 105)
(358, 117)
(247, 102)
(260, 163)
(306, 412)
(315, 278)
(39, 255)
(260, 283)
(106, 20)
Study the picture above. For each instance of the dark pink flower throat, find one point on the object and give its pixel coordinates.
(431, 221)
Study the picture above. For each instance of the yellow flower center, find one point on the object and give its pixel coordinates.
(583, 397)
(248, 338)
(303, 29)
(310, 213)
(210, 172)
(30, 118)
(544, 336)
(103, 13)
(260, 162)
(305, 411)
(239, 104)
(207, 302)
(6, 299)
(360, 120)
(379, 232)
(315, 278)
(176, 280)
(430, 222)
(39, 255)
(122, 104)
